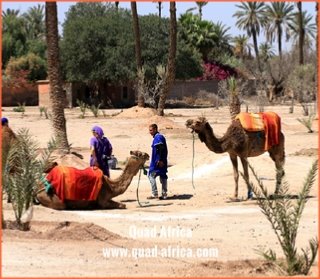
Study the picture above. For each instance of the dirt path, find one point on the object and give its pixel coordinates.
(197, 232)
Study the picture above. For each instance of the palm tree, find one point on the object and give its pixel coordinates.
(301, 33)
(278, 15)
(222, 44)
(35, 22)
(14, 39)
(189, 23)
(57, 96)
(309, 29)
(204, 38)
(266, 51)
(159, 7)
(250, 19)
(9, 12)
(171, 65)
(141, 101)
(200, 6)
(241, 46)
(234, 100)
(12, 22)
(200, 34)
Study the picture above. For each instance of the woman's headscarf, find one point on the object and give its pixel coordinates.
(4, 120)
(98, 130)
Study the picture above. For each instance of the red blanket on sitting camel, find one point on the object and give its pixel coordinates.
(270, 122)
(74, 184)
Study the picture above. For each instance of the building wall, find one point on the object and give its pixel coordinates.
(114, 95)
(119, 96)
(44, 96)
(43, 90)
(111, 95)
(182, 89)
(27, 94)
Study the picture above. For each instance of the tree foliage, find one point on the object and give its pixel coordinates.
(98, 44)
(13, 38)
(23, 36)
(33, 65)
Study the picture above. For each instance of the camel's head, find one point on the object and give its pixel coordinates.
(138, 158)
(197, 125)
(136, 154)
(49, 166)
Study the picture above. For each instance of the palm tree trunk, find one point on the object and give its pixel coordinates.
(171, 65)
(159, 8)
(141, 101)
(57, 96)
(255, 44)
(234, 106)
(280, 45)
(301, 33)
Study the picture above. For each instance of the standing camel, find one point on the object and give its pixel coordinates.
(238, 143)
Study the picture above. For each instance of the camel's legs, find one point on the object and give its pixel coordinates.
(277, 154)
(234, 162)
(114, 204)
(244, 162)
(50, 201)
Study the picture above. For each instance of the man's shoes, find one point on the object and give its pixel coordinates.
(152, 197)
(163, 197)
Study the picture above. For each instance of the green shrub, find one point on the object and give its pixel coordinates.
(83, 107)
(20, 108)
(307, 122)
(21, 172)
(284, 218)
(95, 110)
(44, 110)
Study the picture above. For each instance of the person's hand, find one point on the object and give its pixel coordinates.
(160, 164)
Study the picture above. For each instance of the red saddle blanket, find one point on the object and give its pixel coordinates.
(269, 122)
(74, 184)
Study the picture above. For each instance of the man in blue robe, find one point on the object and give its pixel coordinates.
(158, 163)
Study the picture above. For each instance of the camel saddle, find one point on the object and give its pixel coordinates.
(269, 122)
(74, 184)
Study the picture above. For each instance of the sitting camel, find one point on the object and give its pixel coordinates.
(239, 143)
(107, 189)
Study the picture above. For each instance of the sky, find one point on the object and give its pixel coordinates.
(213, 11)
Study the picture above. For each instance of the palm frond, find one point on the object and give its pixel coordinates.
(284, 218)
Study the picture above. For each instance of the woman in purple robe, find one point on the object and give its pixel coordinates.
(101, 150)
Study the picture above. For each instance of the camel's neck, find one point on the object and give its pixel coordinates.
(120, 184)
(214, 144)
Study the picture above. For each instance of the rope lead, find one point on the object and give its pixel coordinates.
(137, 191)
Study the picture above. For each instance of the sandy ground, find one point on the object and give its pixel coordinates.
(196, 232)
